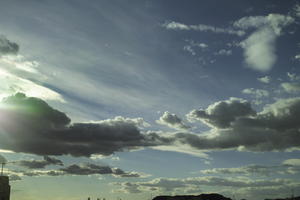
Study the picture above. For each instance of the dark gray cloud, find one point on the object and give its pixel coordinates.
(221, 114)
(32, 126)
(7, 47)
(77, 169)
(90, 169)
(39, 164)
(275, 128)
(172, 121)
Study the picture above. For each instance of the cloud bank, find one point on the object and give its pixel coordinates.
(30, 125)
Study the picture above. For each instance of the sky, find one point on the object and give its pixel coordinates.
(132, 99)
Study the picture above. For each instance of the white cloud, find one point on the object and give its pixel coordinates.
(11, 83)
(264, 79)
(297, 10)
(293, 76)
(197, 44)
(189, 49)
(259, 47)
(291, 87)
(293, 162)
(224, 52)
(258, 93)
(21, 63)
(201, 27)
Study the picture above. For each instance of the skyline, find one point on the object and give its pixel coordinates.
(137, 98)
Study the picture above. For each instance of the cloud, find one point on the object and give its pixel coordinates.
(39, 164)
(276, 127)
(32, 126)
(293, 76)
(172, 121)
(78, 170)
(291, 166)
(92, 169)
(189, 49)
(292, 162)
(291, 87)
(257, 93)
(198, 183)
(297, 10)
(202, 28)
(259, 47)
(7, 47)
(223, 52)
(197, 44)
(222, 113)
(264, 79)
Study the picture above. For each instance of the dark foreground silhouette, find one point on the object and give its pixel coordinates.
(213, 196)
(192, 197)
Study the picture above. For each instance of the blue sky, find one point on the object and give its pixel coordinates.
(150, 97)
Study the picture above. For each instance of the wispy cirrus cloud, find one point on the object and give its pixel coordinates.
(202, 28)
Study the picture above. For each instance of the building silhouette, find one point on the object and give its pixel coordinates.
(4, 188)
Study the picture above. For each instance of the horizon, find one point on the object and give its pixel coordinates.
(133, 99)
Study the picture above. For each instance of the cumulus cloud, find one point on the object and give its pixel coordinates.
(7, 47)
(39, 164)
(264, 79)
(202, 28)
(222, 113)
(259, 47)
(32, 126)
(276, 127)
(172, 121)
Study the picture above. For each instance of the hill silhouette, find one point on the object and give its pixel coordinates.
(212, 196)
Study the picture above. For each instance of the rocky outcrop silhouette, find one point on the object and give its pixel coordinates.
(192, 197)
